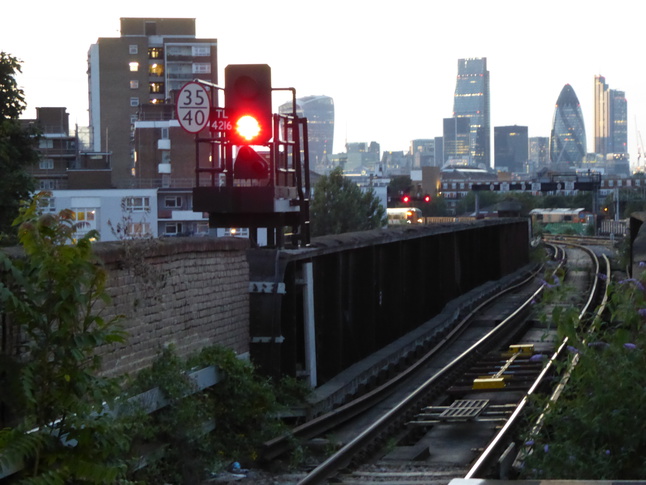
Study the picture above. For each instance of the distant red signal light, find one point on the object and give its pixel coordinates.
(406, 198)
(427, 198)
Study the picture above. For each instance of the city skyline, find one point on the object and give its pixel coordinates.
(391, 72)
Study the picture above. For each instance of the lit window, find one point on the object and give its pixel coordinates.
(155, 52)
(156, 88)
(156, 69)
(85, 220)
(134, 84)
(134, 66)
(133, 49)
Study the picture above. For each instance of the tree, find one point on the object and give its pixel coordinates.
(17, 148)
(54, 295)
(340, 206)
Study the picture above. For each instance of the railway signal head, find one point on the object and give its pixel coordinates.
(247, 96)
(406, 199)
(427, 198)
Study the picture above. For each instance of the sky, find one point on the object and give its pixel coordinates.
(389, 66)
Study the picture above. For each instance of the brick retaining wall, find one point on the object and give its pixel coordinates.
(187, 292)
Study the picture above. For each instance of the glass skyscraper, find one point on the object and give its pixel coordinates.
(567, 141)
(610, 119)
(319, 111)
(471, 100)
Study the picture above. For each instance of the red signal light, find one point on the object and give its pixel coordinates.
(427, 198)
(247, 96)
(247, 128)
(406, 198)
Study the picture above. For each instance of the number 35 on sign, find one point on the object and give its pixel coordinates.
(193, 107)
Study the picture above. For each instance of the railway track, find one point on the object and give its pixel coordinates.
(463, 399)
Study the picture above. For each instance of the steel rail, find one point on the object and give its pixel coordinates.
(344, 456)
(492, 450)
(345, 412)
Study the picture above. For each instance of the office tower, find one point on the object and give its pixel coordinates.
(511, 148)
(319, 111)
(610, 119)
(151, 60)
(601, 115)
(539, 152)
(471, 101)
(423, 153)
(618, 114)
(456, 141)
(567, 141)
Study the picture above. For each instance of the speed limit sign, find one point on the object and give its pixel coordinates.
(193, 107)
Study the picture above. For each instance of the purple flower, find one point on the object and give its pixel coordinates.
(537, 358)
(607, 452)
(636, 282)
(546, 448)
(529, 443)
(572, 350)
(630, 346)
(642, 264)
(642, 312)
(602, 276)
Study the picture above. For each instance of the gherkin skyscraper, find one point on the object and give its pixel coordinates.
(567, 142)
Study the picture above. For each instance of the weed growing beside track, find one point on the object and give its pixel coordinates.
(596, 429)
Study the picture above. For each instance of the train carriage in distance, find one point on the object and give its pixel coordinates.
(405, 215)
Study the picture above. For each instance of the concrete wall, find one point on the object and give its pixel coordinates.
(188, 292)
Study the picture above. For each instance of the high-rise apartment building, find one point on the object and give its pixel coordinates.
(319, 111)
(151, 60)
(511, 148)
(567, 141)
(610, 119)
(471, 100)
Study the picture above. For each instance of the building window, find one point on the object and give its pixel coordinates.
(45, 143)
(138, 229)
(156, 88)
(202, 228)
(137, 204)
(173, 202)
(156, 69)
(133, 49)
(165, 156)
(134, 101)
(134, 84)
(173, 228)
(201, 68)
(155, 52)
(46, 204)
(134, 66)
(47, 184)
(201, 50)
(46, 164)
(85, 220)
(165, 133)
(134, 119)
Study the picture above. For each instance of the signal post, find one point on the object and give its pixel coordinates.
(257, 173)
